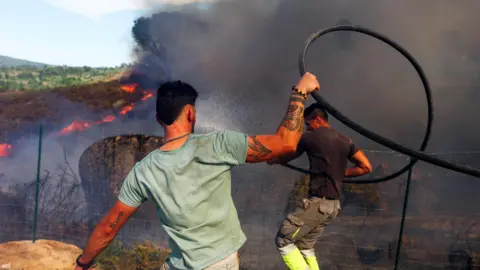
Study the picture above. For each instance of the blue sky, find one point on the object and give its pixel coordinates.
(64, 32)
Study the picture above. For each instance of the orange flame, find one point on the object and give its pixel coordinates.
(78, 125)
(129, 88)
(5, 149)
(126, 109)
(147, 95)
(108, 119)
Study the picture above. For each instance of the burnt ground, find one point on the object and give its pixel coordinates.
(22, 111)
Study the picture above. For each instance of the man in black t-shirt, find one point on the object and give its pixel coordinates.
(328, 152)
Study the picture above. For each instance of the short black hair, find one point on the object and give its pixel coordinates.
(317, 110)
(172, 97)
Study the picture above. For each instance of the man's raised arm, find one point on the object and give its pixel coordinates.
(284, 141)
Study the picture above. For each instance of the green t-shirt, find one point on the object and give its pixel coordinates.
(191, 187)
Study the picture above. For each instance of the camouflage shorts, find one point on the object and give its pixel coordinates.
(304, 226)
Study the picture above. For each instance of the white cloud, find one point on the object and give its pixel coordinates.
(95, 9)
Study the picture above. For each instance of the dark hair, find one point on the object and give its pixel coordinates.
(317, 110)
(172, 97)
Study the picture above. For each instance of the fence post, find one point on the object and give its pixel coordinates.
(404, 213)
(35, 218)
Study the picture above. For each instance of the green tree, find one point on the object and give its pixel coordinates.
(30, 78)
(13, 85)
(25, 75)
(50, 71)
(3, 85)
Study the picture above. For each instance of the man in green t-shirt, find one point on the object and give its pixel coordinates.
(188, 178)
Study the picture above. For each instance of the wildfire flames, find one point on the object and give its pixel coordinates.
(129, 88)
(126, 109)
(80, 125)
(5, 149)
(147, 96)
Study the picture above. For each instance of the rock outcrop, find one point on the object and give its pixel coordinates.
(41, 255)
(105, 164)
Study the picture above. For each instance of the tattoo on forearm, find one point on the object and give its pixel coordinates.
(258, 151)
(114, 223)
(293, 120)
(297, 97)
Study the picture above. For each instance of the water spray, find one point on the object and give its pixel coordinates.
(414, 154)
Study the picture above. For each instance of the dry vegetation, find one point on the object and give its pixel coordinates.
(141, 256)
(19, 111)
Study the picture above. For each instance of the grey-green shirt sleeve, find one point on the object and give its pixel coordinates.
(132, 193)
(231, 147)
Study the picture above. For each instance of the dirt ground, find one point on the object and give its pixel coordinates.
(43, 254)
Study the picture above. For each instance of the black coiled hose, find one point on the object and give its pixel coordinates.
(414, 154)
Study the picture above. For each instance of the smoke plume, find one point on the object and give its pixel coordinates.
(242, 56)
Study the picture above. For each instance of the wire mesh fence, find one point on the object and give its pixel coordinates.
(80, 175)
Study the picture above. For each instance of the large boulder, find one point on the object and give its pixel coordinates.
(41, 255)
(106, 163)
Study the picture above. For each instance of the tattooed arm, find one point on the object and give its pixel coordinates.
(106, 231)
(290, 156)
(266, 147)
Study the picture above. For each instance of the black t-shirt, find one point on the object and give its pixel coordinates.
(328, 152)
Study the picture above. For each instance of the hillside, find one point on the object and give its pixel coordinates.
(23, 75)
(25, 78)
(6, 61)
(49, 104)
